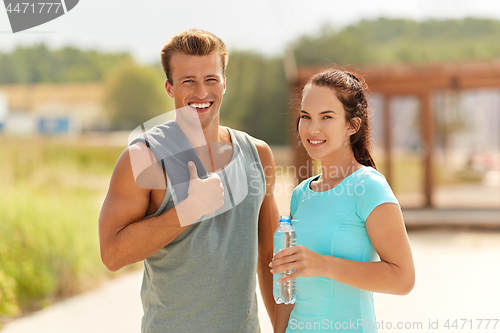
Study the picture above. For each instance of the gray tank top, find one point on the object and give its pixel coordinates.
(205, 279)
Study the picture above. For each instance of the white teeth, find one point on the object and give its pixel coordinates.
(315, 142)
(200, 105)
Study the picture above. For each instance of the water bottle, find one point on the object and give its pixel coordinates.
(284, 237)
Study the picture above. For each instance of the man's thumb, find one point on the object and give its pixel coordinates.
(193, 173)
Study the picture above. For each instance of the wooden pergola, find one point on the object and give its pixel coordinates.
(390, 81)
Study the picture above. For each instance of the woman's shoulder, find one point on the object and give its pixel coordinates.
(371, 183)
(302, 189)
(370, 175)
(372, 189)
(299, 193)
(304, 184)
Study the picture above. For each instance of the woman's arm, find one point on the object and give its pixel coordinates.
(281, 317)
(393, 274)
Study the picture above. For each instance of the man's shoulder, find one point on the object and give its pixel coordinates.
(265, 152)
(263, 149)
(261, 145)
(257, 142)
(155, 133)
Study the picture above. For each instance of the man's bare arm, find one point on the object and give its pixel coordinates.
(125, 235)
(268, 222)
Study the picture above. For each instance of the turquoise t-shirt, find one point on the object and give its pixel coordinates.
(333, 223)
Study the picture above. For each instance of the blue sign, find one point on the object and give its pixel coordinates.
(53, 125)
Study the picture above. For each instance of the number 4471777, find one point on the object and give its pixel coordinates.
(469, 323)
(41, 7)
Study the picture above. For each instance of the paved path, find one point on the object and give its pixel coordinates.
(457, 278)
(113, 307)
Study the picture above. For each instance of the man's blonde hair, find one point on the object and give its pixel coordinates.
(193, 42)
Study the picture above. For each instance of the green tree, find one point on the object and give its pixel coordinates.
(38, 64)
(256, 98)
(388, 41)
(134, 95)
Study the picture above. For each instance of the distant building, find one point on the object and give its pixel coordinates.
(52, 108)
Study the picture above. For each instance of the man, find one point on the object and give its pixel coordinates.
(201, 249)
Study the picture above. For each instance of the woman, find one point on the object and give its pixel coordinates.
(343, 218)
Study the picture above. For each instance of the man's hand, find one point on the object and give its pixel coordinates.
(204, 195)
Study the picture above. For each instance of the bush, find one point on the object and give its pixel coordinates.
(8, 302)
(49, 246)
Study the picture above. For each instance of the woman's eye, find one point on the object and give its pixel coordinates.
(304, 117)
(327, 117)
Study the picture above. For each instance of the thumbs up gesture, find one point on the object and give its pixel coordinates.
(205, 195)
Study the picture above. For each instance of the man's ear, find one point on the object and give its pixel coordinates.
(168, 88)
(224, 85)
(354, 125)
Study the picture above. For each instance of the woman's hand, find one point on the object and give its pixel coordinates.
(304, 261)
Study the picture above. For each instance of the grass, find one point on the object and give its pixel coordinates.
(51, 195)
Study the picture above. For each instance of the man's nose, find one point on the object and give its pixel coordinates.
(201, 90)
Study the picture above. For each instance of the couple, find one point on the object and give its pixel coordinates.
(195, 201)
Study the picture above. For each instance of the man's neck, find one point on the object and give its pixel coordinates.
(213, 132)
(204, 139)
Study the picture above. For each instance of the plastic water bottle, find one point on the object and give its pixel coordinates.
(284, 237)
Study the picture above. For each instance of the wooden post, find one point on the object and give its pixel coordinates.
(428, 146)
(301, 160)
(387, 114)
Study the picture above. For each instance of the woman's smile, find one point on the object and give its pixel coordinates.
(315, 142)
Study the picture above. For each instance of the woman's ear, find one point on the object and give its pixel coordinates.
(354, 125)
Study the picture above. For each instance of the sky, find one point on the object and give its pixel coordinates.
(266, 26)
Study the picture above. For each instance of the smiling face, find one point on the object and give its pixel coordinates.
(198, 82)
(322, 126)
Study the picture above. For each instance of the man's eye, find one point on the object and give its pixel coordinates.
(212, 79)
(187, 81)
